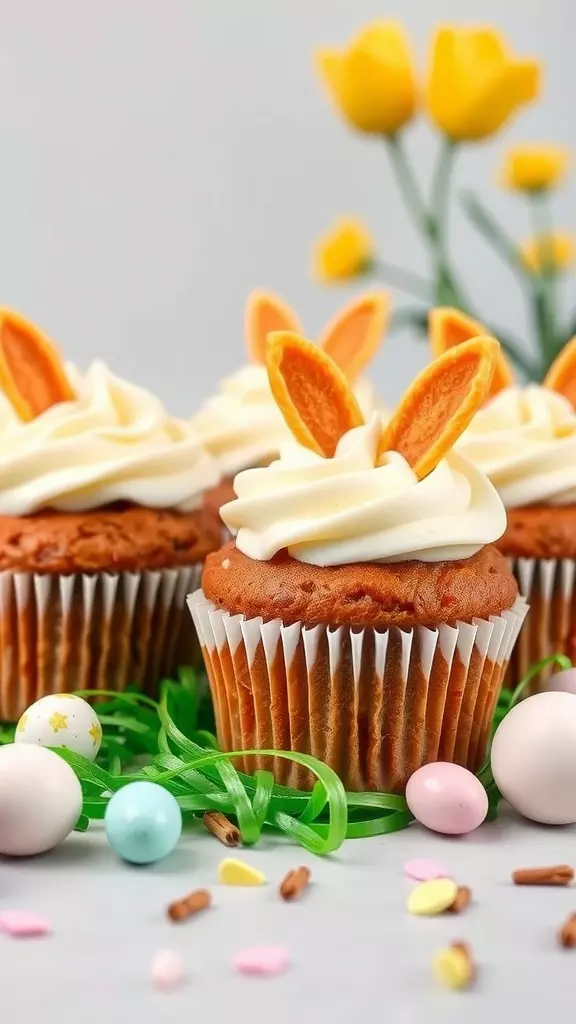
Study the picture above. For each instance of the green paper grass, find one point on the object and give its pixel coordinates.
(171, 742)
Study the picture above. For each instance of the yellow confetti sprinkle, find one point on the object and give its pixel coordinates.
(236, 872)
(22, 723)
(68, 696)
(58, 721)
(432, 897)
(95, 732)
(454, 967)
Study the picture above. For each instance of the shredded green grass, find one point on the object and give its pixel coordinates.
(171, 741)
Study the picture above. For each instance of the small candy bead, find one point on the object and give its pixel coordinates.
(261, 960)
(433, 897)
(167, 970)
(420, 869)
(236, 872)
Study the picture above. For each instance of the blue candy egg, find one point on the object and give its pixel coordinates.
(143, 822)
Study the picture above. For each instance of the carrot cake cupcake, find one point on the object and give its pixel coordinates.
(102, 525)
(524, 439)
(242, 426)
(362, 614)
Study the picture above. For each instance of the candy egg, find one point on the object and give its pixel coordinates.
(40, 799)
(534, 758)
(143, 822)
(61, 720)
(564, 681)
(447, 798)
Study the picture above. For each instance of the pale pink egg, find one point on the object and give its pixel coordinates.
(447, 798)
(564, 681)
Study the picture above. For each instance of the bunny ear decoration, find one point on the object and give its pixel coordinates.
(448, 327)
(265, 313)
(439, 405)
(354, 335)
(561, 376)
(311, 392)
(32, 375)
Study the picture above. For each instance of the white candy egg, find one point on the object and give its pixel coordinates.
(61, 720)
(534, 758)
(40, 799)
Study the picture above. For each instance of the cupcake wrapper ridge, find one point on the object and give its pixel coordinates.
(549, 585)
(102, 631)
(373, 705)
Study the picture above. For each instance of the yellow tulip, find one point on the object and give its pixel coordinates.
(533, 168)
(557, 248)
(343, 252)
(372, 83)
(475, 85)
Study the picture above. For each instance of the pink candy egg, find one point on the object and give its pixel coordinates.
(564, 681)
(447, 798)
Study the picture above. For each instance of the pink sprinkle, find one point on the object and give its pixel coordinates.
(21, 924)
(167, 970)
(423, 870)
(261, 960)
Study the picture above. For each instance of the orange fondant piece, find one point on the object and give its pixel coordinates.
(561, 376)
(31, 372)
(353, 336)
(311, 392)
(440, 404)
(266, 312)
(448, 327)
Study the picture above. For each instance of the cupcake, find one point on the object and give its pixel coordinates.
(102, 526)
(242, 426)
(524, 440)
(362, 614)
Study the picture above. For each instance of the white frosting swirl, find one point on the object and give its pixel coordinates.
(242, 426)
(524, 439)
(348, 509)
(114, 442)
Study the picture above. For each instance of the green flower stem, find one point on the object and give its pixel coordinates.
(405, 280)
(408, 184)
(545, 277)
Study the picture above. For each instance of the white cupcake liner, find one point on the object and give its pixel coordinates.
(549, 586)
(373, 705)
(102, 631)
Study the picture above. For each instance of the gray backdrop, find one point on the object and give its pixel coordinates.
(159, 158)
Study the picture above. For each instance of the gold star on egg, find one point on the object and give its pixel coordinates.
(95, 732)
(58, 721)
(22, 723)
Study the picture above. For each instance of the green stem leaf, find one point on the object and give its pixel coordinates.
(406, 280)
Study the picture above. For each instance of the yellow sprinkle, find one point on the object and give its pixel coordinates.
(236, 872)
(432, 897)
(453, 968)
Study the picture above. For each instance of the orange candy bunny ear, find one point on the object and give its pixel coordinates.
(448, 327)
(440, 404)
(353, 336)
(266, 312)
(31, 372)
(311, 392)
(561, 376)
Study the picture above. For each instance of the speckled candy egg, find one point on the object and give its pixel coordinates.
(447, 798)
(143, 822)
(564, 681)
(40, 799)
(534, 758)
(61, 720)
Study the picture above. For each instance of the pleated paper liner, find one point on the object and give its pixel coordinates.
(375, 706)
(549, 586)
(101, 631)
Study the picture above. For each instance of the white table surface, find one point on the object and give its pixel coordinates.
(356, 952)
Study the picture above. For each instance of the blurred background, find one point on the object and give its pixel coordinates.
(162, 157)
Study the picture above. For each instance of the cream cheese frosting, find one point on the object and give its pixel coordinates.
(524, 439)
(242, 426)
(114, 442)
(350, 508)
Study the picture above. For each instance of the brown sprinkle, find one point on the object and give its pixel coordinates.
(224, 830)
(189, 905)
(559, 874)
(461, 901)
(567, 933)
(294, 883)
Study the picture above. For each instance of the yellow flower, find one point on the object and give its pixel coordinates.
(372, 82)
(475, 85)
(532, 168)
(557, 248)
(343, 252)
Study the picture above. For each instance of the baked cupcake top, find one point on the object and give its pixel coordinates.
(75, 442)
(523, 438)
(348, 491)
(241, 426)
